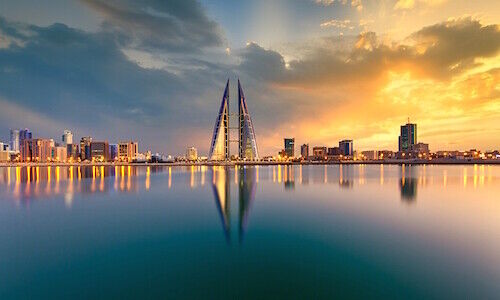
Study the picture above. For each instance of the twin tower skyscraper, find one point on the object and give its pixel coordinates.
(247, 144)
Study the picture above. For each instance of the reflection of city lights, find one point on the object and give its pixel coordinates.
(8, 176)
(148, 173)
(300, 173)
(191, 183)
(465, 176)
(169, 177)
(381, 174)
(445, 177)
(475, 176)
(279, 173)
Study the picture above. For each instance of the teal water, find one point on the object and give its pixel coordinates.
(350, 231)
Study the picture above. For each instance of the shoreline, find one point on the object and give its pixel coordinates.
(265, 163)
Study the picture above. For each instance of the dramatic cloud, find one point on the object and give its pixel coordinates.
(85, 80)
(155, 70)
(437, 51)
(174, 25)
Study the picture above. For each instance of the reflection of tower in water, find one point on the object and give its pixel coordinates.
(246, 192)
(408, 183)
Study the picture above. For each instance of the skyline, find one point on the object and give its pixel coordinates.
(331, 71)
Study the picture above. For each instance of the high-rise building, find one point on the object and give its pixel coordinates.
(304, 151)
(113, 152)
(219, 148)
(127, 151)
(191, 154)
(99, 151)
(85, 148)
(24, 134)
(346, 147)
(36, 150)
(289, 147)
(247, 144)
(72, 152)
(407, 137)
(247, 148)
(67, 137)
(14, 140)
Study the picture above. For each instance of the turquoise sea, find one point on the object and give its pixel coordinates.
(323, 231)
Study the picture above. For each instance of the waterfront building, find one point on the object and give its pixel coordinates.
(72, 152)
(346, 147)
(25, 134)
(219, 148)
(289, 147)
(334, 151)
(4, 156)
(36, 150)
(319, 153)
(67, 137)
(60, 153)
(191, 154)
(407, 137)
(127, 151)
(247, 142)
(85, 148)
(370, 155)
(113, 152)
(99, 151)
(304, 151)
(385, 154)
(420, 148)
(14, 140)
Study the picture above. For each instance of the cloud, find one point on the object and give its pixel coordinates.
(85, 80)
(410, 4)
(342, 24)
(354, 3)
(439, 51)
(174, 25)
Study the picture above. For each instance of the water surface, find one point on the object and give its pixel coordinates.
(353, 231)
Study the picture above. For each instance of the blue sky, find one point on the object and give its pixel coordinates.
(318, 70)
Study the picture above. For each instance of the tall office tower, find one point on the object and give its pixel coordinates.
(246, 139)
(346, 147)
(219, 148)
(67, 137)
(24, 134)
(304, 151)
(14, 140)
(290, 147)
(407, 137)
(36, 150)
(113, 152)
(85, 148)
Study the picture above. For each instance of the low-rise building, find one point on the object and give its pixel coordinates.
(319, 153)
(60, 153)
(127, 151)
(191, 154)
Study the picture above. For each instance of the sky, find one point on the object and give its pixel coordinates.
(317, 70)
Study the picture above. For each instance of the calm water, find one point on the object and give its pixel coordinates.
(361, 231)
